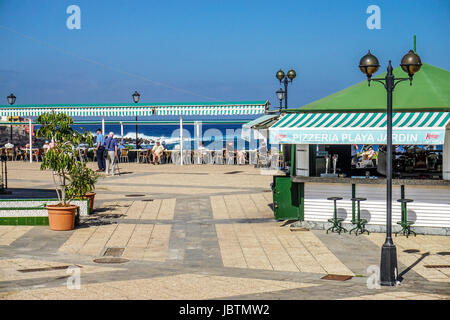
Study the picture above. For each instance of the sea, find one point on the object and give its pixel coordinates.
(214, 136)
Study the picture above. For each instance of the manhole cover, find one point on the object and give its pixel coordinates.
(443, 253)
(411, 250)
(437, 266)
(110, 260)
(336, 277)
(45, 269)
(135, 195)
(114, 252)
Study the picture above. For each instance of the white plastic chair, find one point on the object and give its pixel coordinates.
(218, 157)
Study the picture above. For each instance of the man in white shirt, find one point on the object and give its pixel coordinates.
(157, 152)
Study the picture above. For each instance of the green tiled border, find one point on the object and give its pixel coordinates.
(23, 221)
(40, 208)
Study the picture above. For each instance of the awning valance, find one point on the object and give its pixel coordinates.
(360, 128)
(124, 110)
(262, 123)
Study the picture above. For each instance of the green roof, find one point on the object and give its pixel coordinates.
(430, 91)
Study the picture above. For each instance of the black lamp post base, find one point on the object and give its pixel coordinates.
(388, 266)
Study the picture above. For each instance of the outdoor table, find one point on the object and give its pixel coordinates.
(138, 152)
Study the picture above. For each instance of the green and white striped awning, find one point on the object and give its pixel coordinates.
(124, 110)
(360, 128)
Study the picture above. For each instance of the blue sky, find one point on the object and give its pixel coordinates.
(205, 50)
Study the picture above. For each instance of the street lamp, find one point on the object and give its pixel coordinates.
(285, 79)
(136, 97)
(11, 100)
(280, 96)
(369, 65)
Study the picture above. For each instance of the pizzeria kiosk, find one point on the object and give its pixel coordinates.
(338, 147)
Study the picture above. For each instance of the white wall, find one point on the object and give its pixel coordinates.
(431, 206)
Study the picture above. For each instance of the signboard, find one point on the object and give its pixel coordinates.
(427, 136)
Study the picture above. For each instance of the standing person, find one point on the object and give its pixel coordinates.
(111, 149)
(100, 149)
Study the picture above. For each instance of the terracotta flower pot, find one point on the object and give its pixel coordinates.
(61, 218)
(90, 196)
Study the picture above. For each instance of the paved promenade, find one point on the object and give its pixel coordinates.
(199, 232)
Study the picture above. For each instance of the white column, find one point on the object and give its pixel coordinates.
(103, 125)
(198, 134)
(121, 130)
(302, 160)
(30, 129)
(446, 156)
(181, 140)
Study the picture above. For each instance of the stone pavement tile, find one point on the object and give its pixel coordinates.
(250, 210)
(5, 229)
(399, 296)
(262, 203)
(9, 234)
(230, 249)
(141, 236)
(183, 286)
(9, 269)
(158, 247)
(95, 244)
(219, 209)
(234, 209)
(428, 247)
(135, 210)
(151, 211)
(355, 252)
(121, 235)
(167, 209)
(77, 240)
(322, 254)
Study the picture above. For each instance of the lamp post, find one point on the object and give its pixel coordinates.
(285, 79)
(280, 96)
(11, 100)
(369, 65)
(136, 97)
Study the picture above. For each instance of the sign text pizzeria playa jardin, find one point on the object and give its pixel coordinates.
(349, 136)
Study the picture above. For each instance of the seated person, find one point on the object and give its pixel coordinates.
(202, 148)
(241, 156)
(157, 152)
(46, 146)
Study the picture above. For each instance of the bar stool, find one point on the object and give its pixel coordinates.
(360, 223)
(336, 227)
(406, 225)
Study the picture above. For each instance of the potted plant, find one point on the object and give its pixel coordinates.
(61, 158)
(82, 183)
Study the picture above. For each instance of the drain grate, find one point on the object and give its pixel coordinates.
(336, 277)
(147, 200)
(45, 269)
(232, 172)
(113, 252)
(411, 251)
(135, 195)
(110, 260)
(437, 266)
(443, 253)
